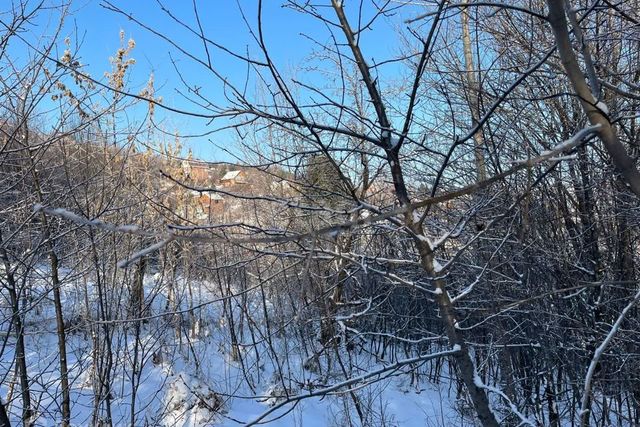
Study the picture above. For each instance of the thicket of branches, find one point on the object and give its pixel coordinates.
(469, 216)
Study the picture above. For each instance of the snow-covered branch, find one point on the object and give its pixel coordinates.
(351, 381)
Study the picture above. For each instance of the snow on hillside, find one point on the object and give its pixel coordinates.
(192, 379)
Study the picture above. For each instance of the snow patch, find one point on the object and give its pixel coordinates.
(602, 107)
(191, 402)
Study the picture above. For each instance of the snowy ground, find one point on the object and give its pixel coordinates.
(192, 381)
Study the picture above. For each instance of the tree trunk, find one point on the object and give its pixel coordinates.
(463, 358)
(4, 418)
(472, 97)
(21, 363)
(590, 104)
(65, 404)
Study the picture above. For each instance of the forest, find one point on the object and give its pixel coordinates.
(320, 213)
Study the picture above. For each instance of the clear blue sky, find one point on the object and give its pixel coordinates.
(98, 30)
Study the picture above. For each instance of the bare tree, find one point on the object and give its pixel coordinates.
(466, 203)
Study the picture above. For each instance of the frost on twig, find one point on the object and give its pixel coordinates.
(377, 373)
(144, 252)
(96, 223)
(523, 418)
(562, 147)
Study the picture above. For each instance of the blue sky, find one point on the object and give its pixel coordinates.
(221, 21)
(97, 30)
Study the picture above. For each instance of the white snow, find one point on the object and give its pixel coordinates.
(174, 392)
(231, 175)
(602, 107)
(146, 251)
(437, 267)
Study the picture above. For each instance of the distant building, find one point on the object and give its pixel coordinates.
(233, 178)
(210, 204)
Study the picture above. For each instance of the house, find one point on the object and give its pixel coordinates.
(233, 178)
(210, 204)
